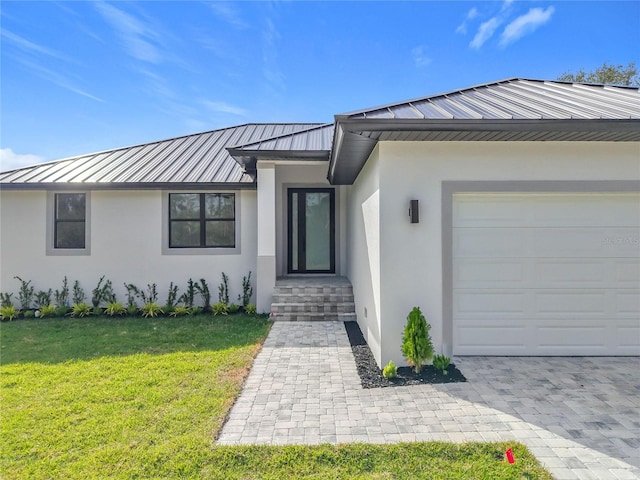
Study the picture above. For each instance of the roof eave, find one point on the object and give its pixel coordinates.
(129, 186)
(352, 140)
(248, 158)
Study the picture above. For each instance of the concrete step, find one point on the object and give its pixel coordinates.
(290, 307)
(314, 317)
(311, 299)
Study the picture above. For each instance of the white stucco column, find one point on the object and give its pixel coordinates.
(266, 264)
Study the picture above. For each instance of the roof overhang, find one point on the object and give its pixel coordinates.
(249, 158)
(68, 186)
(355, 138)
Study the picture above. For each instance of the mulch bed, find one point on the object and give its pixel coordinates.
(371, 375)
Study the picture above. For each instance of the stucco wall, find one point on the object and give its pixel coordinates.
(363, 245)
(126, 245)
(411, 254)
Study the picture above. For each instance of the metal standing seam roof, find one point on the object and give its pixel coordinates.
(188, 160)
(516, 98)
(515, 109)
(509, 110)
(307, 145)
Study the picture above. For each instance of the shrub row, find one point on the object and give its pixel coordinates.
(71, 302)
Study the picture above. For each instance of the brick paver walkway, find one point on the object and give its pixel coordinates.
(579, 416)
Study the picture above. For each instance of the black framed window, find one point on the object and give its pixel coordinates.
(202, 220)
(70, 220)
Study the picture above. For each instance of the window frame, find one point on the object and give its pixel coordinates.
(52, 224)
(202, 249)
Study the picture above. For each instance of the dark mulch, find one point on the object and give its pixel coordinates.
(371, 375)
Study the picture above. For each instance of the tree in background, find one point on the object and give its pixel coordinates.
(609, 74)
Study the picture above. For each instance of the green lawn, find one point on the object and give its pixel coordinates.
(144, 398)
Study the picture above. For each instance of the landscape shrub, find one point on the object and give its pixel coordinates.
(441, 362)
(417, 346)
(8, 312)
(390, 371)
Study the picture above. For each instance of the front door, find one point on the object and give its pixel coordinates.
(311, 231)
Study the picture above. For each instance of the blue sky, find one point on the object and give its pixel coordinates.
(80, 77)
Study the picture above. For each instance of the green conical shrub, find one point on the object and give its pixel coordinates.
(417, 347)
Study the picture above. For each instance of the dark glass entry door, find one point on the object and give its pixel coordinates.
(311, 232)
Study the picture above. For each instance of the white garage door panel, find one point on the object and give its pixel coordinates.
(546, 274)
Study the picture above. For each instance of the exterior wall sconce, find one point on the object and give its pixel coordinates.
(413, 211)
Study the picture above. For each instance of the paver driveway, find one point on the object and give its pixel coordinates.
(579, 416)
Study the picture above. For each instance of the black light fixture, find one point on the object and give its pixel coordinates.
(413, 211)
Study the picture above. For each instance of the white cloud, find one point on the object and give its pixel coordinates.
(274, 77)
(227, 13)
(29, 46)
(506, 4)
(223, 107)
(471, 14)
(525, 24)
(59, 79)
(485, 32)
(139, 39)
(420, 57)
(9, 160)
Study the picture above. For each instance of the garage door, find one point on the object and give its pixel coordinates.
(546, 274)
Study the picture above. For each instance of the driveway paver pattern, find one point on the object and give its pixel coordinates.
(579, 416)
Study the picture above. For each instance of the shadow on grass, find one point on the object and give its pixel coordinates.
(63, 339)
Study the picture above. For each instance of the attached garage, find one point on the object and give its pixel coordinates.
(546, 273)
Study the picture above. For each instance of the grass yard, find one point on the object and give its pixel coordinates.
(144, 398)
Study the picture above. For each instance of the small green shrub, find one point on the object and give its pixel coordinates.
(180, 311)
(247, 290)
(441, 362)
(223, 290)
(390, 371)
(115, 309)
(43, 298)
(80, 310)
(417, 347)
(5, 299)
(196, 310)
(203, 290)
(251, 309)
(150, 295)
(220, 308)
(172, 297)
(189, 296)
(151, 310)
(132, 293)
(61, 311)
(25, 295)
(47, 311)
(78, 293)
(233, 308)
(97, 311)
(62, 296)
(8, 312)
(132, 310)
(29, 314)
(103, 293)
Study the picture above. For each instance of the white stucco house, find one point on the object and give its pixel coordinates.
(509, 212)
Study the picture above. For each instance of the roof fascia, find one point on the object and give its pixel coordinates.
(129, 186)
(357, 125)
(350, 129)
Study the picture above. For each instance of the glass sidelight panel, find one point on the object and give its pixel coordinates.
(311, 232)
(318, 234)
(293, 225)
